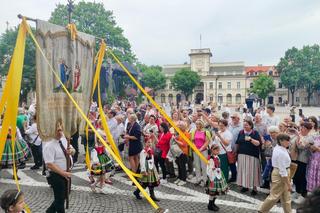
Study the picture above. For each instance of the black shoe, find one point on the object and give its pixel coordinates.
(214, 204)
(254, 192)
(266, 185)
(34, 167)
(22, 166)
(232, 180)
(243, 190)
(14, 179)
(153, 197)
(137, 194)
(212, 207)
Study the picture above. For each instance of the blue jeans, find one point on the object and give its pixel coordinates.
(267, 171)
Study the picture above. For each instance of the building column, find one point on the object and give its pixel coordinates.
(205, 92)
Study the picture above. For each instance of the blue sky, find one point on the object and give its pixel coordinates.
(163, 31)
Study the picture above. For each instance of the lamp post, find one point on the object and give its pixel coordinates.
(70, 9)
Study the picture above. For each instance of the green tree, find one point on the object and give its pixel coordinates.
(301, 69)
(154, 78)
(185, 80)
(7, 44)
(94, 19)
(263, 85)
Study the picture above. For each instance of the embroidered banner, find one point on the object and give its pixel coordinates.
(73, 61)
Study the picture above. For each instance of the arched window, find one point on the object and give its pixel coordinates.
(220, 98)
(238, 99)
(229, 99)
(170, 98)
(251, 85)
(163, 98)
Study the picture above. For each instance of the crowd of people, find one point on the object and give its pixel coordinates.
(252, 149)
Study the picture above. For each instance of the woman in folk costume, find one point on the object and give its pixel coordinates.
(150, 177)
(101, 165)
(216, 182)
(21, 151)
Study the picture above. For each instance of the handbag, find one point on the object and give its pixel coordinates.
(232, 156)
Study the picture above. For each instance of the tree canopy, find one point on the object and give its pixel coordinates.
(7, 44)
(300, 68)
(89, 17)
(263, 86)
(185, 80)
(94, 19)
(153, 77)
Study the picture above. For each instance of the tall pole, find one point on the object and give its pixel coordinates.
(70, 9)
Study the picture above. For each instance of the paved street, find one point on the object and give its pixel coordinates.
(119, 198)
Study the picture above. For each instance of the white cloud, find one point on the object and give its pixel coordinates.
(164, 31)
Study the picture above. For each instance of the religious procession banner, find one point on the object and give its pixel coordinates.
(72, 59)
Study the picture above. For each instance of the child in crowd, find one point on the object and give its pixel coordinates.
(101, 165)
(150, 177)
(12, 201)
(216, 182)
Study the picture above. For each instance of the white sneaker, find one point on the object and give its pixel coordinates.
(294, 196)
(93, 187)
(193, 180)
(190, 176)
(163, 181)
(299, 200)
(181, 183)
(177, 181)
(104, 190)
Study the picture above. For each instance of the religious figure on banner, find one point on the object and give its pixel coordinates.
(76, 78)
(69, 58)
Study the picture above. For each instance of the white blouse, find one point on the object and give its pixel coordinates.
(281, 160)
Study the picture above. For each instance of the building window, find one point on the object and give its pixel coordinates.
(211, 97)
(238, 99)
(229, 99)
(220, 85)
(251, 85)
(297, 99)
(280, 85)
(229, 84)
(170, 98)
(238, 85)
(211, 85)
(270, 72)
(163, 98)
(220, 98)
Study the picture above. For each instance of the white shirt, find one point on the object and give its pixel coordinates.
(227, 135)
(281, 160)
(52, 153)
(32, 131)
(271, 121)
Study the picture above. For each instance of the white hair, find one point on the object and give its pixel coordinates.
(273, 129)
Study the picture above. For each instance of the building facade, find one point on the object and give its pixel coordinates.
(227, 83)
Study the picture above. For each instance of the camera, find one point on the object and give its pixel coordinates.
(151, 131)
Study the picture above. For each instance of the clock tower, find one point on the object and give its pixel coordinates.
(200, 61)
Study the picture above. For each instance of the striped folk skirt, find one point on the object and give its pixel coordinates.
(21, 152)
(150, 180)
(249, 171)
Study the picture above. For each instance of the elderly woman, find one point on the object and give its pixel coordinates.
(314, 122)
(280, 186)
(268, 146)
(313, 168)
(248, 147)
(223, 139)
(151, 129)
(303, 148)
(201, 138)
(133, 139)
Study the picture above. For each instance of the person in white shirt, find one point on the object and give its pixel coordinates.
(270, 118)
(57, 158)
(281, 181)
(223, 139)
(36, 144)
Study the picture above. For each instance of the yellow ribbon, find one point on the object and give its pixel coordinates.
(73, 31)
(13, 86)
(125, 169)
(163, 113)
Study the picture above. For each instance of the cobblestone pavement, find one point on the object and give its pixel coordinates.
(119, 197)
